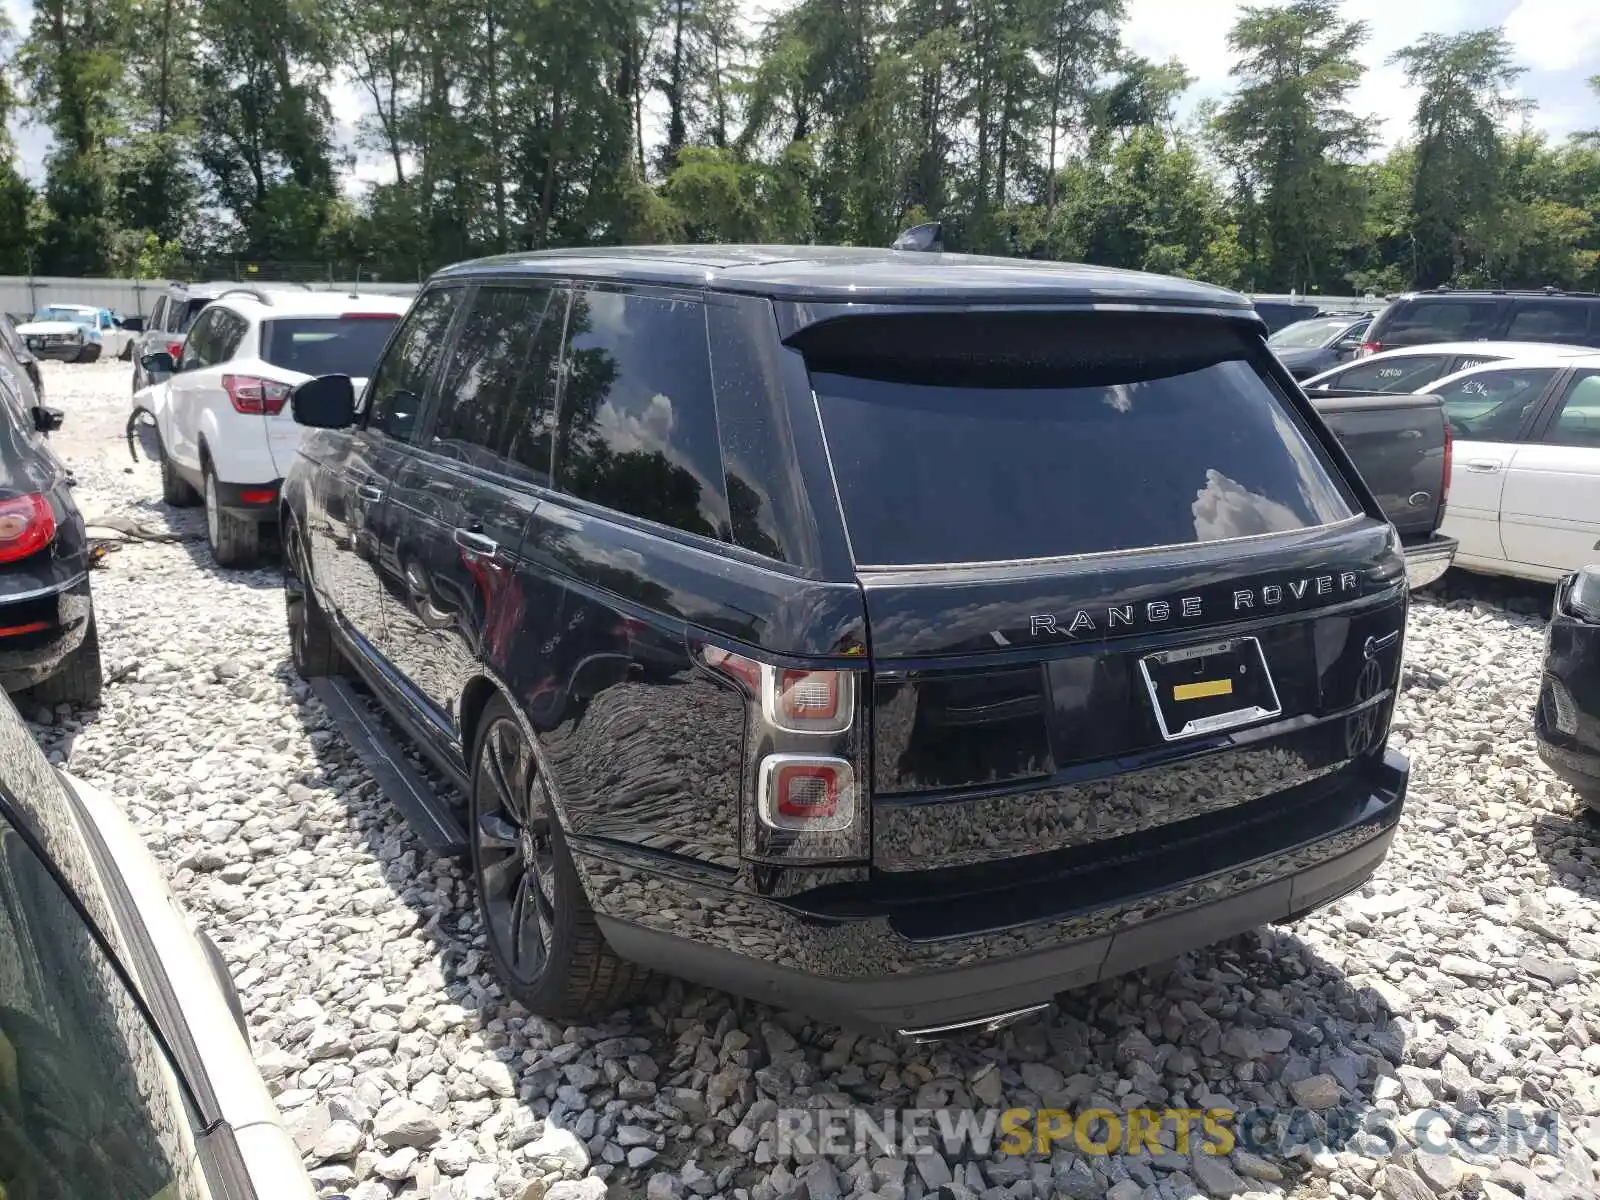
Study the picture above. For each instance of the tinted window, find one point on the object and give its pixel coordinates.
(638, 429)
(201, 345)
(326, 345)
(533, 416)
(1437, 319)
(1563, 321)
(1466, 362)
(478, 386)
(931, 473)
(1578, 422)
(230, 331)
(401, 382)
(187, 315)
(86, 1101)
(158, 314)
(1491, 405)
(1405, 374)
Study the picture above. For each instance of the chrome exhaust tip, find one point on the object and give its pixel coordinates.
(990, 1024)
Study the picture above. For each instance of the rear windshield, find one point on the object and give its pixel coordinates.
(1143, 453)
(326, 345)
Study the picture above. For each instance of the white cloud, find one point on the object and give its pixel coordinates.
(1556, 35)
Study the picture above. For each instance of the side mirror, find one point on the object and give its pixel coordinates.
(158, 364)
(327, 402)
(46, 420)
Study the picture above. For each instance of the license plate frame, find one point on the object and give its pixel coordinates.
(1210, 688)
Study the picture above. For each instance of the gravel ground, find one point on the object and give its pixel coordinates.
(1463, 979)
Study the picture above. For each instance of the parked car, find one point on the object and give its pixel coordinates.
(814, 588)
(1446, 315)
(125, 1070)
(1567, 716)
(1414, 369)
(76, 333)
(225, 439)
(13, 348)
(1525, 484)
(175, 311)
(47, 632)
(1310, 347)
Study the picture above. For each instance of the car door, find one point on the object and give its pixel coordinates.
(351, 553)
(1550, 509)
(1489, 410)
(186, 391)
(458, 506)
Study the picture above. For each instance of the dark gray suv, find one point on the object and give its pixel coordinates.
(1444, 315)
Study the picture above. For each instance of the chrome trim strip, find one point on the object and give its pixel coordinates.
(990, 1024)
(13, 597)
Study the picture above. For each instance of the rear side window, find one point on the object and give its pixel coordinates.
(638, 424)
(1427, 319)
(1578, 422)
(1129, 446)
(1564, 321)
(400, 384)
(1492, 405)
(326, 345)
(1405, 374)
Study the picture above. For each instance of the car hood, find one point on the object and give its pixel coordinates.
(35, 328)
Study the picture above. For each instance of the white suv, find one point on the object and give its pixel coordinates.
(226, 434)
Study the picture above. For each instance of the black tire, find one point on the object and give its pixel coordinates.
(175, 490)
(235, 541)
(311, 644)
(566, 972)
(127, 353)
(89, 354)
(80, 679)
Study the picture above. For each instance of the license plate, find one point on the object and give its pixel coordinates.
(1210, 688)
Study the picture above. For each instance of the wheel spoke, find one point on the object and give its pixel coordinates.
(519, 918)
(506, 793)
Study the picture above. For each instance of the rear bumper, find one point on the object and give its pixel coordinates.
(1428, 560)
(1567, 719)
(30, 655)
(891, 970)
(257, 500)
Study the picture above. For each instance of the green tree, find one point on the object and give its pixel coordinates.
(1288, 138)
(1457, 195)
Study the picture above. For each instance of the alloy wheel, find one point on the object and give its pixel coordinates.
(515, 856)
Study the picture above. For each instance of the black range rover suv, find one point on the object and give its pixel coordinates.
(905, 638)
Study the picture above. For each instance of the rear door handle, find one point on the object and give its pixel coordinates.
(369, 491)
(1485, 466)
(477, 543)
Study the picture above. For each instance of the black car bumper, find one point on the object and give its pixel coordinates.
(1567, 719)
(938, 958)
(1428, 559)
(61, 351)
(39, 629)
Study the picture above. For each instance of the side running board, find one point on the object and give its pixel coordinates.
(429, 814)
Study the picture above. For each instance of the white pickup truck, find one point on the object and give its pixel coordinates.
(76, 333)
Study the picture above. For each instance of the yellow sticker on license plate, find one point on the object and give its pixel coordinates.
(1203, 690)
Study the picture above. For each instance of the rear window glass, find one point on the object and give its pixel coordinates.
(1418, 322)
(1404, 374)
(971, 470)
(1549, 321)
(326, 345)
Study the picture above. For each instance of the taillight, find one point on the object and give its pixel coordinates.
(1369, 348)
(174, 350)
(251, 395)
(804, 755)
(1449, 459)
(806, 793)
(27, 526)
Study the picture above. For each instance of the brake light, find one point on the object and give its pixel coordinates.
(813, 794)
(27, 526)
(1449, 459)
(806, 752)
(251, 395)
(174, 350)
(1369, 348)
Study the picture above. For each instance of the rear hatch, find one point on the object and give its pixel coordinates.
(301, 348)
(1117, 581)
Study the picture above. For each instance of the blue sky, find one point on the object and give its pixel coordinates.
(1558, 41)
